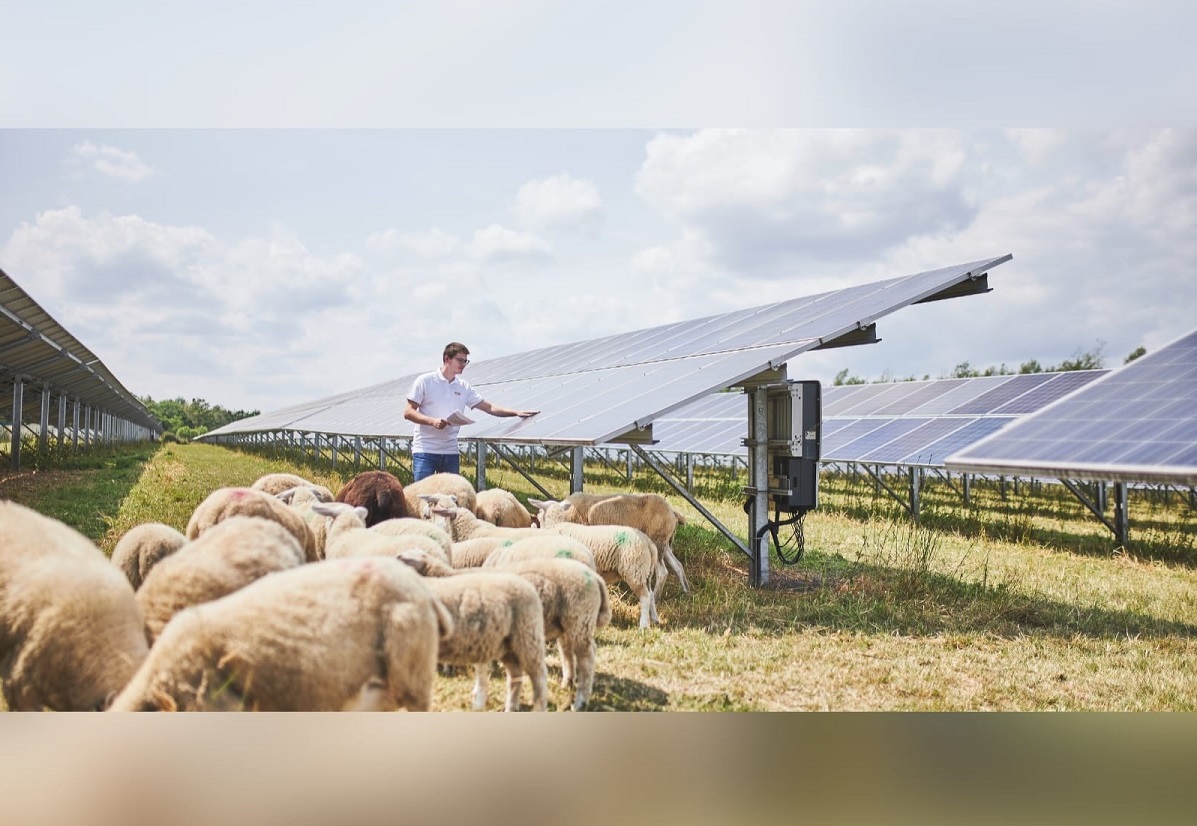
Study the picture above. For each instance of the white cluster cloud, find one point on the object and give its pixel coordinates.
(113, 162)
(559, 201)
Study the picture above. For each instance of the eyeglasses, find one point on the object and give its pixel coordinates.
(462, 361)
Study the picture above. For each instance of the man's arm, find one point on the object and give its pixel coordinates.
(498, 410)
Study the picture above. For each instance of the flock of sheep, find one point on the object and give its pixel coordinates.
(281, 596)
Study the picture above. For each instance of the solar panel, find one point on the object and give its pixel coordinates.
(613, 388)
(1136, 424)
(1012, 388)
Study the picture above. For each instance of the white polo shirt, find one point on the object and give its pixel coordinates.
(438, 398)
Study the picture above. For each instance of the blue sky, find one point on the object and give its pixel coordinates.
(264, 206)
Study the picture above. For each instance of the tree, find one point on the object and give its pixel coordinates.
(842, 378)
(189, 419)
(1134, 354)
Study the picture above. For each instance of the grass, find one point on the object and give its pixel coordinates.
(1014, 602)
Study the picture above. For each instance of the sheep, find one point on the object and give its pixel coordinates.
(324, 636)
(347, 535)
(500, 507)
(144, 546)
(225, 502)
(471, 553)
(497, 616)
(452, 484)
(379, 492)
(648, 512)
(71, 634)
(462, 524)
(575, 603)
(622, 553)
(408, 525)
(546, 545)
(277, 483)
(226, 557)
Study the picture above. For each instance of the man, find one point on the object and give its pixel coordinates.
(433, 399)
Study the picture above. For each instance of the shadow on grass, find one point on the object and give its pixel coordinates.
(613, 693)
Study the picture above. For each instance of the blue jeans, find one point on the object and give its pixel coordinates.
(426, 464)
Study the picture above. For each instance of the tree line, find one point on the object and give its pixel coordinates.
(184, 420)
(1080, 360)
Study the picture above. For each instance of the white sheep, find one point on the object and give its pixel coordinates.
(545, 545)
(144, 546)
(71, 634)
(462, 524)
(347, 535)
(471, 553)
(648, 512)
(277, 483)
(622, 554)
(500, 507)
(496, 616)
(325, 636)
(234, 501)
(452, 484)
(408, 525)
(576, 603)
(228, 556)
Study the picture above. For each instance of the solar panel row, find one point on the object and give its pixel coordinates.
(1138, 423)
(916, 423)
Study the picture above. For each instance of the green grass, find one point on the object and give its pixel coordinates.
(1021, 602)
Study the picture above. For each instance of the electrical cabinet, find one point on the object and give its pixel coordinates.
(793, 424)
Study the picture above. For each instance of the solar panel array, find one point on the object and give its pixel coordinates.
(1137, 424)
(613, 388)
(913, 423)
(42, 352)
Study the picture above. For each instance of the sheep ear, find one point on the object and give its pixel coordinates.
(287, 495)
(362, 512)
(538, 503)
(428, 497)
(327, 508)
(414, 559)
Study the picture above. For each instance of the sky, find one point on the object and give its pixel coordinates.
(264, 206)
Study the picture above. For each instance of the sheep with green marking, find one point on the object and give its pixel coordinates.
(621, 554)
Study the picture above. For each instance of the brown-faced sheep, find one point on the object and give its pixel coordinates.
(228, 556)
(71, 634)
(225, 502)
(144, 546)
(379, 492)
(313, 638)
(500, 507)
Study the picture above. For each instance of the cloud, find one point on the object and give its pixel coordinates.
(432, 243)
(784, 198)
(113, 162)
(560, 201)
(497, 243)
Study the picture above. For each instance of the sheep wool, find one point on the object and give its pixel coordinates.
(575, 603)
(449, 484)
(144, 546)
(622, 554)
(226, 557)
(473, 552)
(277, 483)
(647, 512)
(500, 507)
(319, 637)
(497, 616)
(545, 545)
(462, 524)
(225, 502)
(71, 634)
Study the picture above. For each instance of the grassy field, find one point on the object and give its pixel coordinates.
(1015, 602)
